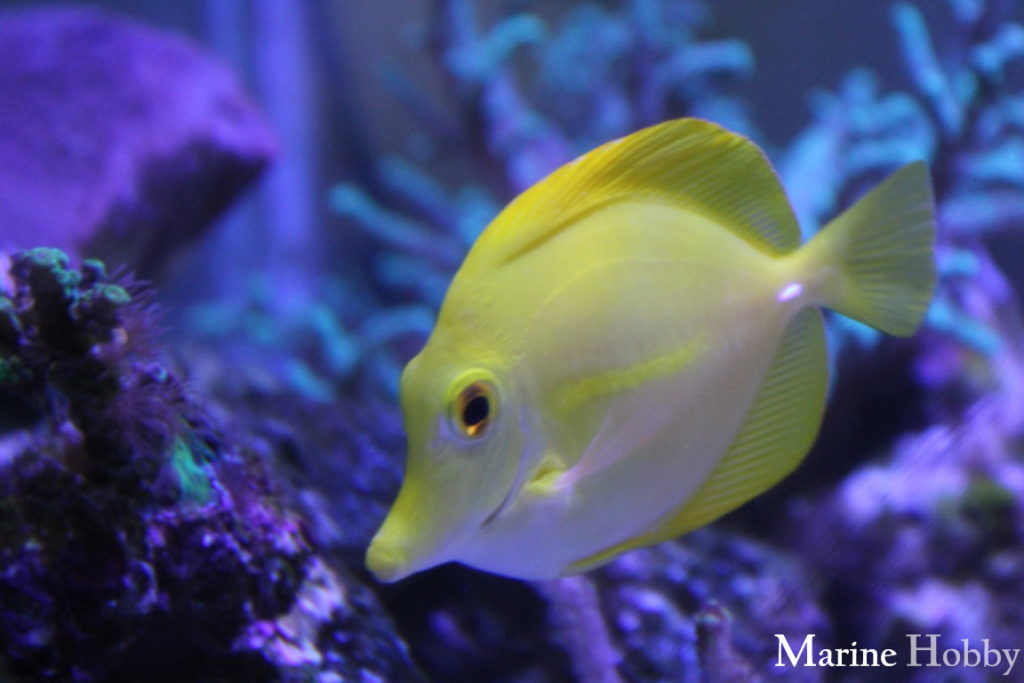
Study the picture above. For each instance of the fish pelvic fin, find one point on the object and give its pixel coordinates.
(776, 434)
(876, 260)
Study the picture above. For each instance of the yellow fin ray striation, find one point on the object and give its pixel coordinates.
(687, 163)
(776, 434)
(881, 253)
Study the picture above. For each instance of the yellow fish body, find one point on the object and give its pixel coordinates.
(632, 348)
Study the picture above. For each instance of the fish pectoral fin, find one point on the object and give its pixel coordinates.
(644, 399)
(777, 432)
(544, 482)
(632, 419)
(545, 477)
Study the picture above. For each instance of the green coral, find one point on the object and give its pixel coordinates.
(10, 326)
(192, 478)
(71, 310)
(78, 342)
(45, 261)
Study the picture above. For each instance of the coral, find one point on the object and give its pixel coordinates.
(107, 125)
(148, 533)
(137, 541)
(338, 458)
(923, 540)
(919, 540)
(922, 524)
(534, 115)
(928, 540)
(574, 610)
(322, 349)
(964, 119)
(523, 114)
(669, 608)
(709, 605)
(70, 357)
(538, 96)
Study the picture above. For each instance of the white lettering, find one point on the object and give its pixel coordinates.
(988, 651)
(932, 648)
(969, 651)
(808, 645)
(924, 651)
(1009, 660)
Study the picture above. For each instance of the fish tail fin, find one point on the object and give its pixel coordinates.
(878, 256)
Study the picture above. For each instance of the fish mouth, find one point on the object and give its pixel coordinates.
(394, 556)
(388, 562)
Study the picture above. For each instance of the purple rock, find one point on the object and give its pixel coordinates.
(116, 139)
(140, 541)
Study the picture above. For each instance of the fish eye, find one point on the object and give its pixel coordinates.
(475, 409)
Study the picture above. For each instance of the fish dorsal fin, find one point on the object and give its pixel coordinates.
(690, 163)
(776, 434)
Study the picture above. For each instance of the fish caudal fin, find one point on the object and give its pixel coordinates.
(879, 254)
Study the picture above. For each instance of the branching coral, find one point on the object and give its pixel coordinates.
(320, 349)
(531, 93)
(965, 119)
(529, 98)
(929, 531)
(929, 536)
(537, 96)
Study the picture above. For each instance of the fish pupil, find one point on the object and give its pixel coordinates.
(475, 413)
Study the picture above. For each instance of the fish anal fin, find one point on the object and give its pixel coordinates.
(779, 429)
(599, 558)
(691, 164)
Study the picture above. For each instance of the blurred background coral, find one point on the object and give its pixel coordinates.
(299, 181)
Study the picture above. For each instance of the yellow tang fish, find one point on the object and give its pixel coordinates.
(633, 348)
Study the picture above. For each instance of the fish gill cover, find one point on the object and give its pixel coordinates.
(179, 507)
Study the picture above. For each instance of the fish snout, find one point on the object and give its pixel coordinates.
(418, 533)
(387, 560)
